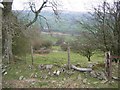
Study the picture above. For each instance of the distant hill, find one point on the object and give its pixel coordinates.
(67, 22)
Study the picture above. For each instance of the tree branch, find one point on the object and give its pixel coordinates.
(36, 13)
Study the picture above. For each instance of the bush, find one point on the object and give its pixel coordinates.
(47, 44)
(42, 51)
(42, 45)
(20, 45)
(60, 41)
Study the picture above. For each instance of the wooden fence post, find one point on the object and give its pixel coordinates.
(69, 66)
(108, 66)
(32, 54)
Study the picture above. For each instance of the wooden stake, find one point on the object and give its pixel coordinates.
(32, 54)
(68, 57)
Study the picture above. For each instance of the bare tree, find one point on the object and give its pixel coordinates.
(105, 26)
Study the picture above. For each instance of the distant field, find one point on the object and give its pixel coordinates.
(54, 38)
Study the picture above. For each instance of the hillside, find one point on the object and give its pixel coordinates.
(66, 23)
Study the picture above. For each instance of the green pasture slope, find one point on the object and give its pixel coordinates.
(58, 58)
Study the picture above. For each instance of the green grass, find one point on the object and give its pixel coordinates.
(49, 37)
(60, 58)
(53, 39)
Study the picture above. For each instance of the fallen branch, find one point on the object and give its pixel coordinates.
(81, 69)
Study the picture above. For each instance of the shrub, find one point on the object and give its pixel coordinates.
(20, 45)
(42, 46)
(60, 41)
(47, 44)
(42, 51)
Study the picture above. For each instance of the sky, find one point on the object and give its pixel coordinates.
(69, 5)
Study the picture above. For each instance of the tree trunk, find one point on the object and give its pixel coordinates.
(6, 32)
(118, 9)
(88, 57)
(0, 47)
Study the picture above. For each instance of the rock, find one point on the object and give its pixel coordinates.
(53, 81)
(65, 65)
(90, 65)
(98, 74)
(54, 72)
(113, 82)
(85, 81)
(41, 67)
(16, 72)
(44, 76)
(35, 76)
(49, 73)
(70, 72)
(32, 75)
(33, 83)
(49, 66)
(30, 67)
(21, 78)
(64, 79)
(95, 82)
(88, 83)
(58, 73)
(5, 66)
(5, 73)
(62, 70)
(102, 76)
(103, 81)
(93, 74)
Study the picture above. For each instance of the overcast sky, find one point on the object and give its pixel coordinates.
(70, 5)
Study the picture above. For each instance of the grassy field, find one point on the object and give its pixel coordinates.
(35, 78)
(53, 38)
